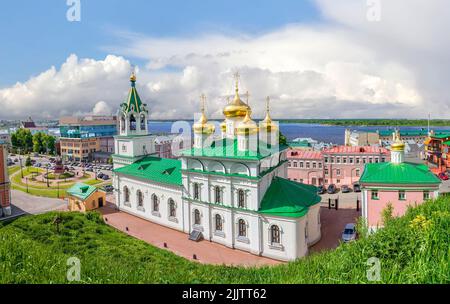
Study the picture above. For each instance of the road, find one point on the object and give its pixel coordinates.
(29, 204)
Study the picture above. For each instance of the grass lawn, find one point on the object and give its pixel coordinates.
(13, 169)
(411, 249)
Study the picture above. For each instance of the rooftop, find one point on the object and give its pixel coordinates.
(162, 170)
(288, 198)
(228, 148)
(398, 174)
(81, 190)
(356, 150)
(305, 154)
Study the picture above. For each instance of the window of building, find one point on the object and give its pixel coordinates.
(320, 165)
(344, 160)
(426, 195)
(241, 198)
(338, 172)
(350, 160)
(377, 160)
(370, 160)
(338, 160)
(338, 181)
(132, 122)
(364, 160)
(217, 195)
(401, 195)
(295, 164)
(307, 165)
(122, 123)
(155, 203)
(325, 160)
(172, 208)
(357, 160)
(300, 164)
(274, 235)
(126, 194)
(196, 191)
(326, 171)
(242, 228)
(290, 164)
(142, 122)
(383, 159)
(218, 222)
(140, 198)
(314, 165)
(374, 194)
(197, 220)
(358, 172)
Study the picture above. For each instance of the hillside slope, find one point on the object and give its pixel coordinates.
(411, 249)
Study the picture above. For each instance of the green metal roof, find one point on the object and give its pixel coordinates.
(398, 174)
(288, 198)
(228, 148)
(81, 190)
(162, 170)
(303, 143)
(441, 136)
(447, 143)
(133, 101)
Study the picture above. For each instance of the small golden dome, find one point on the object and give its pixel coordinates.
(133, 77)
(267, 124)
(247, 126)
(398, 144)
(237, 108)
(223, 126)
(202, 126)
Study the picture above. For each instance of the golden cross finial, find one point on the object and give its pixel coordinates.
(236, 78)
(247, 95)
(268, 104)
(203, 101)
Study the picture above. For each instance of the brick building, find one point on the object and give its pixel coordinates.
(5, 194)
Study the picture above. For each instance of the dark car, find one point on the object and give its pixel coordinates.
(356, 188)
(345, 189)
(100, 175)
(105, 177)
(321, 189)
(108, 188)
(331, 189)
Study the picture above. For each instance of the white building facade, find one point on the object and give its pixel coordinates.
(233, 191)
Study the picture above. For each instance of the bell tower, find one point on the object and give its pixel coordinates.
(134, 140)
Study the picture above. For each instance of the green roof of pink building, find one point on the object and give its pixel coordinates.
(398, 174)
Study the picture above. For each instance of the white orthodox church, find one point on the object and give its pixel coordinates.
(231, 187)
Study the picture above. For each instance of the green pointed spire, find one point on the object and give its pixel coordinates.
(133, 101)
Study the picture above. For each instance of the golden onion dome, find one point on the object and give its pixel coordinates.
(398, 144)
(267, 124)
(133, 77)
(247, 126)
(202, 126)
(223, 126)
(237, 108)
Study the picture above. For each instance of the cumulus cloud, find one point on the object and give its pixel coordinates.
(102, 108)
(342, 66)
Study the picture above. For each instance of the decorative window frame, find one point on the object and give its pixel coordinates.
(171, 217)
(240, 238)
(272, 245)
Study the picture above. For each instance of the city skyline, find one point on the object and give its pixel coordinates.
(315, 59)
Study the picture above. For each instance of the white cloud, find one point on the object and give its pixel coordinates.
(344, 66)
(102, 108)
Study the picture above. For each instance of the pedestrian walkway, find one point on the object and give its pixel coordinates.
(177, 242)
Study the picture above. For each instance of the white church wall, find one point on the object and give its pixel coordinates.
(314, 226)
(287, 249)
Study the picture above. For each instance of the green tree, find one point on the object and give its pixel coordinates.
(23, 140)
(49, 143)
(38, 142)
(28, 162)
(282, 139)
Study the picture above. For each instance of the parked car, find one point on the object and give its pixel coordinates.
(331, 189)
(100, 175)
(16, 160)
(321, 189)
(105, 177)
(356, 188)
(108, 188)
(349, 233)
(345, 189)
(443, 176)
(90, 170)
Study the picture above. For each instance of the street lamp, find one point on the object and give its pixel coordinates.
(26, 179)
(47, 178)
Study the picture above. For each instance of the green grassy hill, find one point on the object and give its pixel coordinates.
(412, 249)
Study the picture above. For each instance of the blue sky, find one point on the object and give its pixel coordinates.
(35, 35)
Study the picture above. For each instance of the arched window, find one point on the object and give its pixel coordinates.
(217, 195)
(122, 123)
(172, 208)
(197, 219)
(126, 194)
(132, 123)
(275, 234)
(181, 145)
(155, 203)
(140, 198)
(241, 198)
(218, 222)
(196, 191)
(242, 228)
(143, 122)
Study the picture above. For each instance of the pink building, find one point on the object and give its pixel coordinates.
(396, 182)
(343, 165)
(305, 166)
